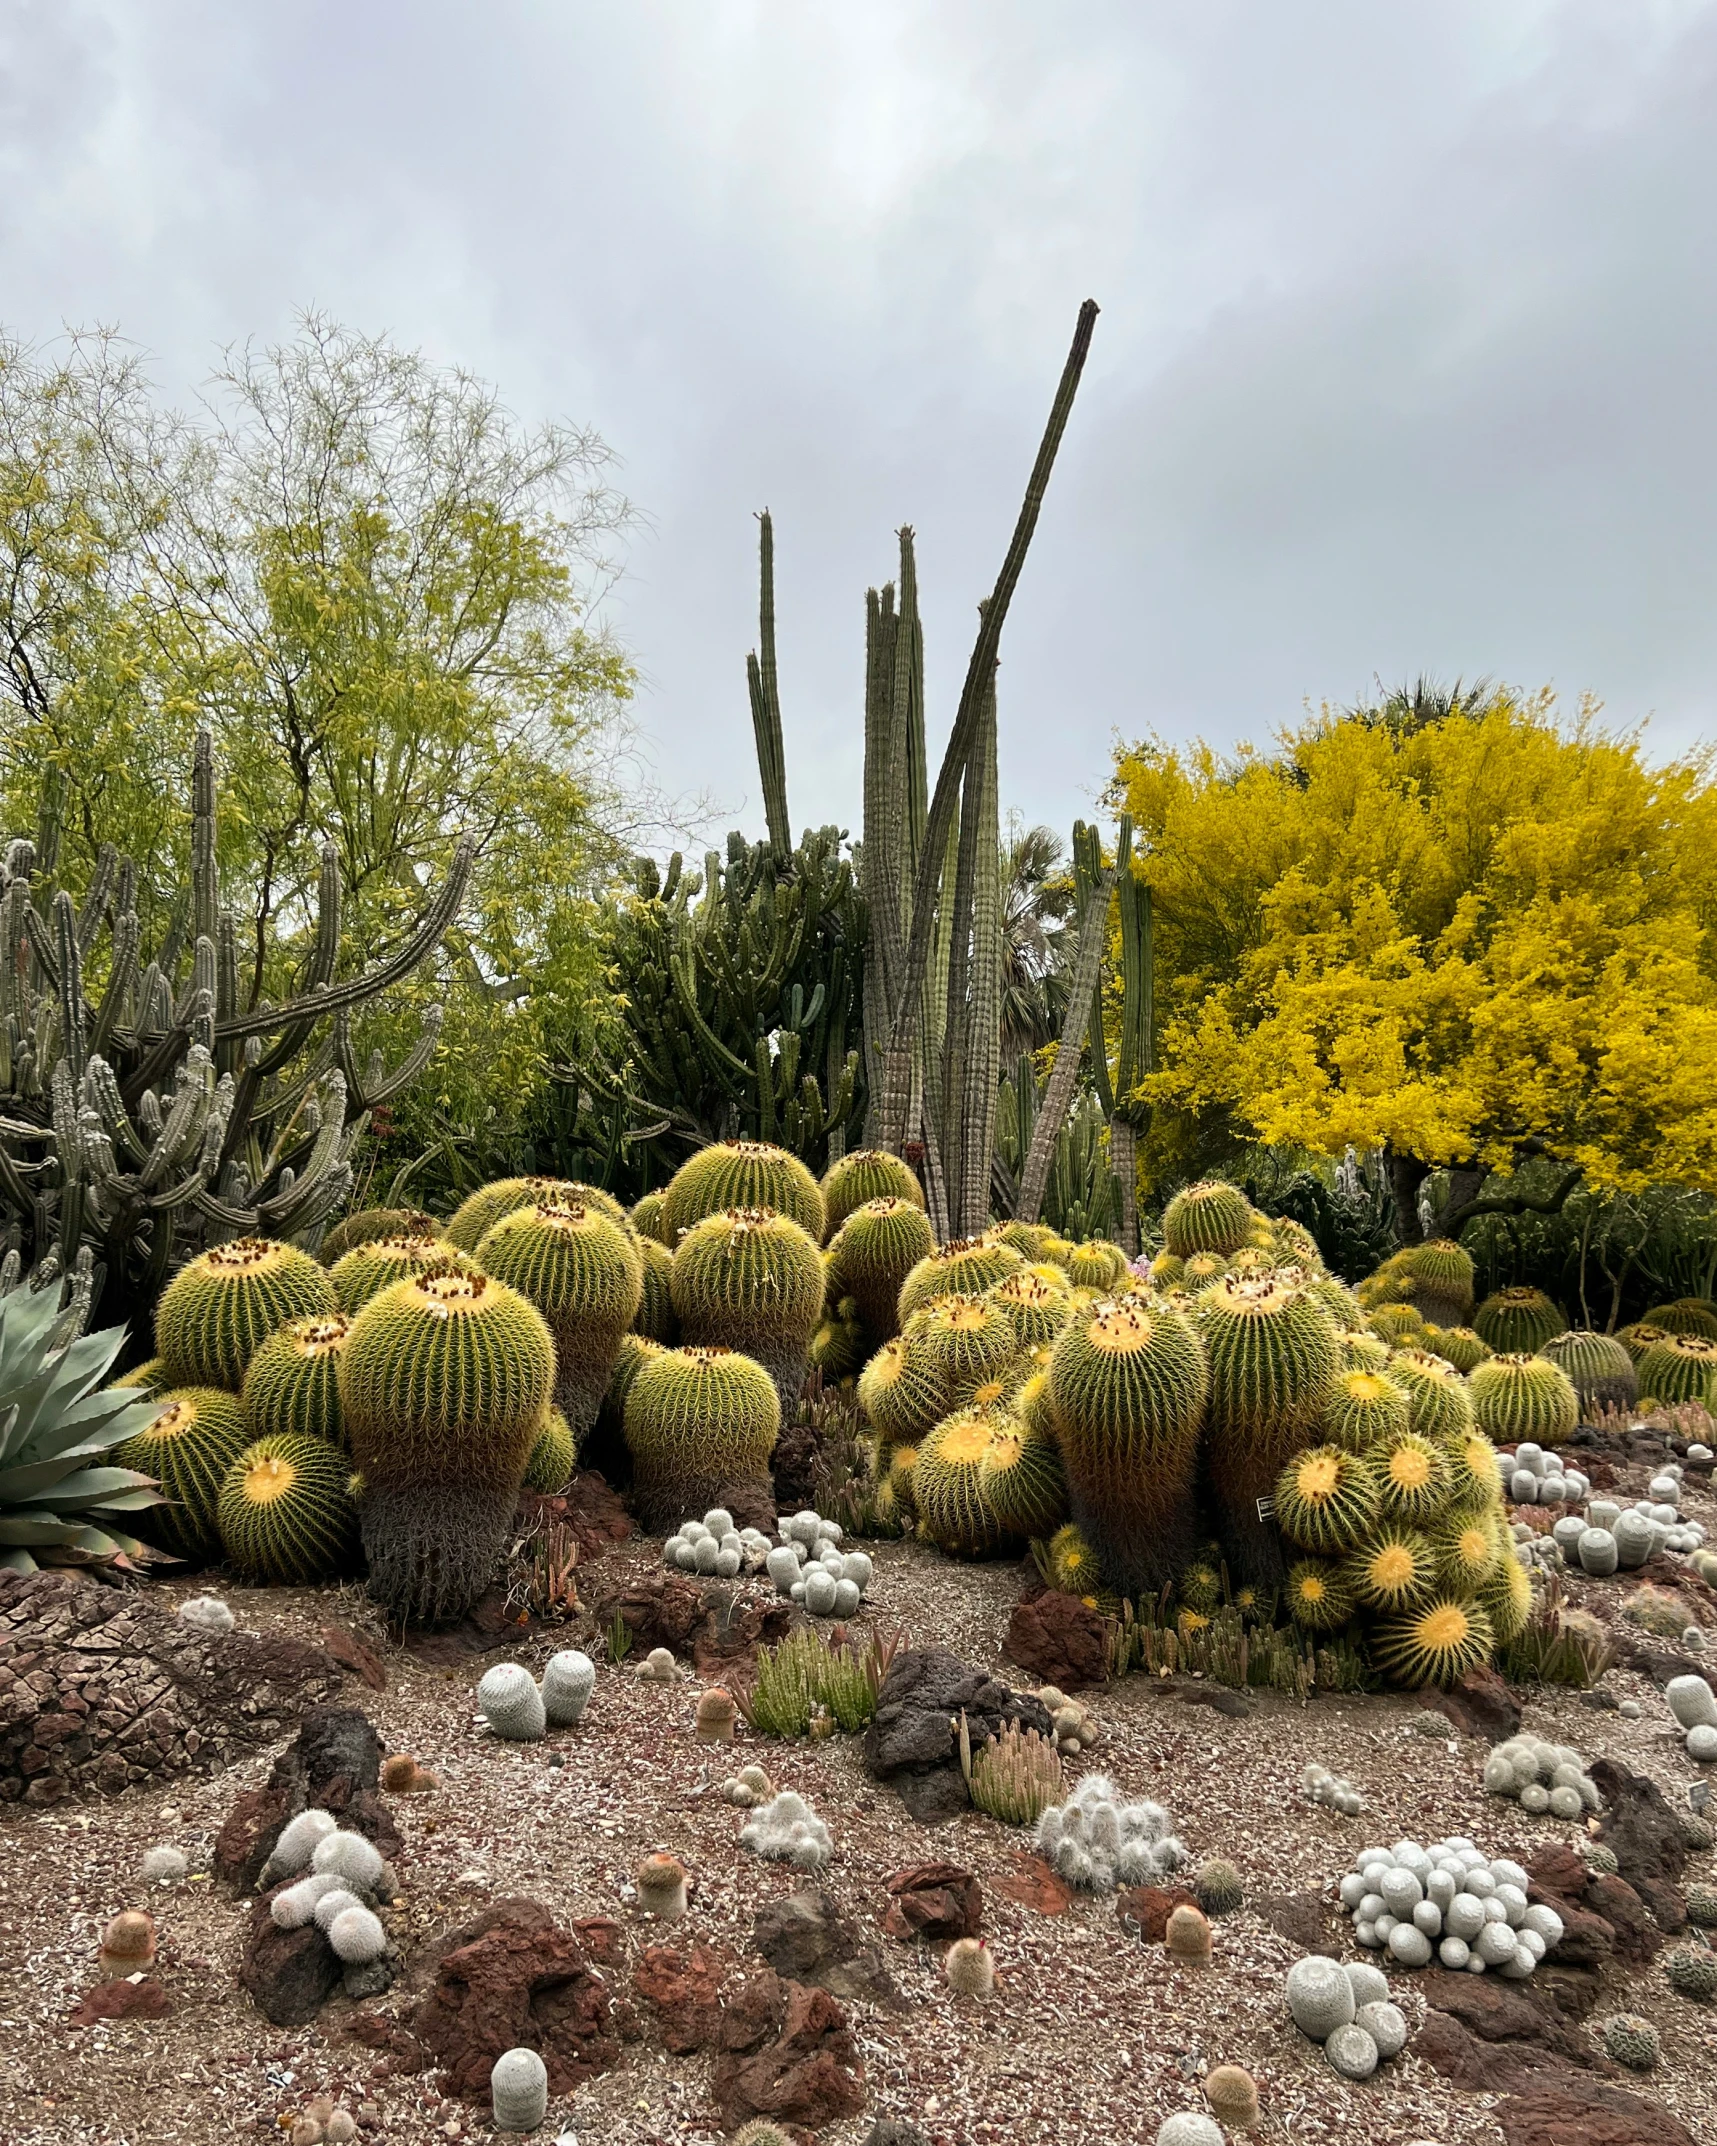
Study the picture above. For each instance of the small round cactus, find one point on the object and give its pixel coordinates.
(357, 1937)
(1233, 2096)
(1188, 2128)
(568, 1681)
(1632, 2041)
(1352, 2052)
(511, 1703)
(128, 1944)
(350, 1857)
(164, 1866)
(1320, 1997)
(1692, 1972)
(1187, 1937)
(1702, 1906)
(518, 2090)
(1387, 2027)
(298, 1841)
(661, 1881)
(295, 1905)
(332, 1905)
(970, 1969)
(1218, 1887)
(716, 1715)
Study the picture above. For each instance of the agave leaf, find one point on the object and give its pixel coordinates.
(40, 1528)
(16, 1560)
(81, 1486)
(94, 1424)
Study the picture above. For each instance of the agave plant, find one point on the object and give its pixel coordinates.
(57, 1419)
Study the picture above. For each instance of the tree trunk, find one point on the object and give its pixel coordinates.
(1406, 1174)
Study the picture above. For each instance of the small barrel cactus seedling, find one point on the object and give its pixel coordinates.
(1233, 2096)
(1352, 2052)
(1218, 1888)
(761, 2132)
(568, 1681)
(1187, 1937)
(518, 2090)
(352, 1858)
(1630, 2040)
(787, 1830)
(1692, 1972)
(511, 1703)
(969, 1967)
(164, 1866)
(716, 1714)
(1702, 1906)
(357, 1937)
(127, 1945)
(661, 1882)
(399, 1773)
(1320, 1997)
(659, 1667)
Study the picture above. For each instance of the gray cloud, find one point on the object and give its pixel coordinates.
(1404, 361)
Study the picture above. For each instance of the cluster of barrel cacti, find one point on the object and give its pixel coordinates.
(1227, 1420)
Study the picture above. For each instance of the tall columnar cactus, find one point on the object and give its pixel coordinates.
(583, 1271)
(444, 1382)
(179, 1108)
(1127, 1385)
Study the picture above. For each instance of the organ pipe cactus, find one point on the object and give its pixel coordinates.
(176, 1108)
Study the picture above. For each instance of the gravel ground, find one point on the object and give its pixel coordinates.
(1090, 2037)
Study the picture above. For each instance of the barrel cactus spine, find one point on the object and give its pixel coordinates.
(700, 1424)
(285, 1511)
(292, 1384)
(219, 1308)
(1518, 1322)
(874, 1250)
(1318, 1595)
(1507, 1596)
(585, 1273)
(964, 1267)
(965, 1341)
(902, 1394)
(1326, 1499)
(655, 1315)
(187, 1446)
(1599, 1366)
(1037, 1302)
(1393, 1571)
(1022, 1479)
(1433, 1644)
(444, 1383)
(1209, 1217)
(1439, 1402)
(864, 1175)
(1518, 1396)
(1127, 1389)
(1411, 1472)
(1458, 1346)
(1363, 1408)
(750, 1278)
(947, 1483)
(743, 1174)
(554, 1455)
(1678, 1369)
(1096, 1264)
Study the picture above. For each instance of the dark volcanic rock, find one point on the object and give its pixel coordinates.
(806, 1939)
(333, 1765)
(659, 1609)
(910, 1744)
(1060, 1639)
(290, 1974)
(102, 1688)
(1480, 1704)
(1578, 2110)
(1639, 1827)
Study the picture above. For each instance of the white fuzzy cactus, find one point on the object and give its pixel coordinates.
(787, 1830)
(1319, 1785)
(352, 1858)
(1448, 1903)
(1097, 1842)
(1542, 1777)
(332, 1904)
(357, 1937)
(164, 1866)
(299, 1839)
(568, 1681)
(295, 1905)
(511, 1704)
(208, 1613)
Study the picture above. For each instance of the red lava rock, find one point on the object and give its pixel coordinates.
(1479, 1704)
(603, 1939)
(1034, 1885)
(1059, 1638)
(788, 2053)
(290, 1974)
(683, 1991)
(1635, 1936)
(355, 1654)
(731, 1634)
(1576, 2106)
(514, 1979)
(1302, 1919)
(933, 1901)
(1498, 2012)
(122, 2000)
(594, 1512)
(1147, 1908)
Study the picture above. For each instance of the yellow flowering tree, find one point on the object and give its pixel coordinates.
(1468, 935)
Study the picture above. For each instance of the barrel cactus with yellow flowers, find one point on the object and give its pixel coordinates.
(285, 1511)
(1127, 1384)
(948, 1487)
(444, 1383)
(584, 1272)
(220, 1308)
(700, 1423)
(751, 1278)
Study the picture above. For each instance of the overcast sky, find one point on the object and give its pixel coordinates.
(1406, 359)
